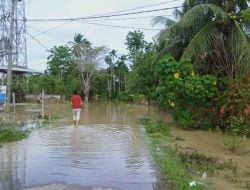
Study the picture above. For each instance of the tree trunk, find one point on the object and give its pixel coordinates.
(86, 87)
(86, 93)
(109, 87)
(114, 82)
(120, 78)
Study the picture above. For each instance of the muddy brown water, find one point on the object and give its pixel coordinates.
(109, 150)
(212, 144)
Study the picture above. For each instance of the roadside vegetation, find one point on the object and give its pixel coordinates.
(189, 168)
(10, 132)
(166, 157)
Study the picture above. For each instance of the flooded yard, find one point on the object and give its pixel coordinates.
(212, 144)
(108, 149)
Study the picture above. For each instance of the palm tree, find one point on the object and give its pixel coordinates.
(87, 57)
(113, 55)
(135, 44)
(213, 33)
(121, 70)
(78, 44)
(163, 36)
(108, 60)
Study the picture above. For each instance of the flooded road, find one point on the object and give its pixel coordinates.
(109, 149)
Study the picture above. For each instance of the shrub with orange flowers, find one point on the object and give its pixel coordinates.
(182, 88)
(234, 103)
(203, 101)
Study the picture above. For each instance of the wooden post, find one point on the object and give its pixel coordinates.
(14, 101)
(2, 79)
(10, 52)
(43, 103)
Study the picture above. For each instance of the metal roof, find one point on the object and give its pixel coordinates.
(19, 70)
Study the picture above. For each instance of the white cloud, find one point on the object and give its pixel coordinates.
(98, 35)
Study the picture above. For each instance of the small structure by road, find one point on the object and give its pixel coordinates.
(19, 70)
(16, 71)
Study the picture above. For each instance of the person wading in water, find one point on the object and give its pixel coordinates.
(76, 104)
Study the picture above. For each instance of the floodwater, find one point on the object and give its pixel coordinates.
(109, 149)
(212, 144)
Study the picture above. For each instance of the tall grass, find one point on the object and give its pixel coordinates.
(166, 157)
(10, 132)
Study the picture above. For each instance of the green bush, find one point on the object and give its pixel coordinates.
(183, 119)
(238, 130)
(180, 85)
(155, 126)
(126, 97)
(189, 95)
(206, 124)
(233, 106)
(12, 132)
(237, 126)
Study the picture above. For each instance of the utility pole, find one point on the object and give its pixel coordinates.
(10, 58)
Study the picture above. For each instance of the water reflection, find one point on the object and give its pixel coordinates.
(108, 149)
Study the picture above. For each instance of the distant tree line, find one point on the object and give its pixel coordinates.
(198, 66)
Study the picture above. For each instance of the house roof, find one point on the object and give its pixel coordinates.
(19, 70)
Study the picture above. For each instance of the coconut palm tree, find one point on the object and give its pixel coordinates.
(163, 35)
(78, 44)
(87, 58)
(113, 55)
(214, 34)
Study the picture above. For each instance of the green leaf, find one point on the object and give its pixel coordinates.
(201, 42)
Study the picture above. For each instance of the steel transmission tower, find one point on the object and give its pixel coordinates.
(19, 49)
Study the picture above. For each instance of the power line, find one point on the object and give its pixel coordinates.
(104, 16)
(117, 26)
(100, 24)
(54, 28)
(132, 9)
(129, 18)
(40, 43)
(69, 20)
(46, 32)
(97, 24)
(120, 11)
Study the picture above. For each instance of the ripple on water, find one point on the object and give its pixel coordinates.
(91, 146)
(92, 154)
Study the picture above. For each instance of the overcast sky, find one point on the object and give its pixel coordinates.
(112, 37)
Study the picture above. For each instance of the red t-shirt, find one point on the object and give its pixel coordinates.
(76, 101)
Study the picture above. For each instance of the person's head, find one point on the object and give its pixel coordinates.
(75, 92)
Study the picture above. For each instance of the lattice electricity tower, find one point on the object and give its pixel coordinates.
(19, 51)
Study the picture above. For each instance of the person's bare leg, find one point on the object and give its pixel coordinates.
(74, 122)
(77, 121)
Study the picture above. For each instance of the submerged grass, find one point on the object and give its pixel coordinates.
(155, 126)
(42, 122)
(166, 157)
(182, 166)
(199, 163)
(10, 132)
